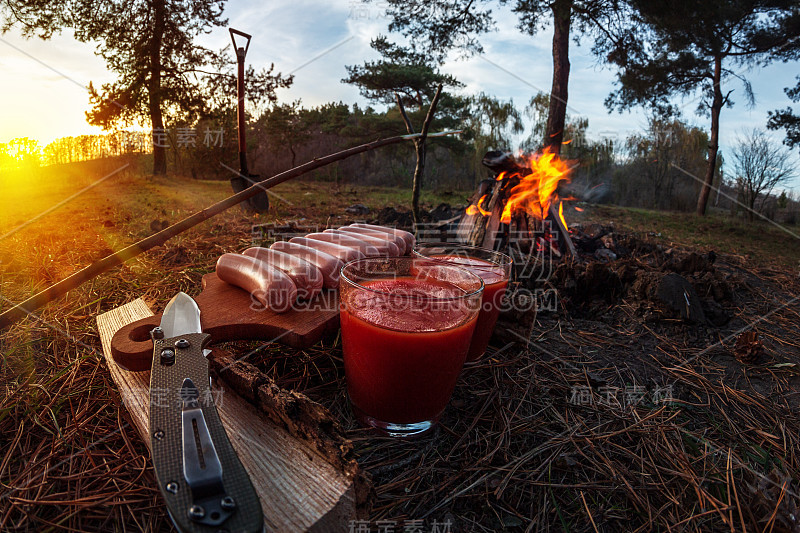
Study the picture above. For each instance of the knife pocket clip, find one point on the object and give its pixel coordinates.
(202, 468)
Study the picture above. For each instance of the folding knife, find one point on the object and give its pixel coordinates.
(204, 484)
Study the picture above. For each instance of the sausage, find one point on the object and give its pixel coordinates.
(398, 241)
(343, 253)
(406, 236)
(384, 247)
(307, 278)
(265, 283)
(329, 266)
(346, 240)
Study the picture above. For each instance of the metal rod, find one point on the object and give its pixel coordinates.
(57, 290)
(241, 123)
(260, 202)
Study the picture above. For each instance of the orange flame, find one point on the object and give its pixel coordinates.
(475, 209)
(536, 191)
(578, 209)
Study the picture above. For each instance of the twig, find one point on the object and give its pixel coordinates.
(591, 518)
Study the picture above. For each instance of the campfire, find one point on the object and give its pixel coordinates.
(520, 211)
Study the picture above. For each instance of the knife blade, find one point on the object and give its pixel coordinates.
(181, 315)
(203, 483)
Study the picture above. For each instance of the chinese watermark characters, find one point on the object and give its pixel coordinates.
(185, 138)
(165, 397)
(397, 526)
(621, 397)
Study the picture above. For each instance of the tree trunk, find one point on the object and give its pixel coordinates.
(154, 88)
(562, 15)
(750, 197)
(713, 144)
(419, 148)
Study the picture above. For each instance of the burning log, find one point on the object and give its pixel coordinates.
(562, 233)
(520, 206)
(482, 219)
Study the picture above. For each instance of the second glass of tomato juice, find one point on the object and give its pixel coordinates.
(495, 270)
(407, 324)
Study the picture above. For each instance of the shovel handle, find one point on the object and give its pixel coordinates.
(233, 40)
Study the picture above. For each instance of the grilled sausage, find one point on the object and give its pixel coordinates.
(384, 247)
(328, 265)
(306, 276)
(343, 253)
(346, 240)
(265, 283)
(406, 236)
(391, 237)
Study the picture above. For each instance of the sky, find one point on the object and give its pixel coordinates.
(43, 86)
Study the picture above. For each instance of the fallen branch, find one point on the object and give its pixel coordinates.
(57, 290)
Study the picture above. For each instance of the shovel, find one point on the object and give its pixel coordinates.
(260, 202)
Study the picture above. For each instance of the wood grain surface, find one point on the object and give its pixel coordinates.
(298, 488)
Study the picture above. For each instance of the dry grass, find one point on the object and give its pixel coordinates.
(512, 452)
(758, 243)
(515, 451)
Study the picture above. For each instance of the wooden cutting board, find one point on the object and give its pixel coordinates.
(299, 488)
(227, 313)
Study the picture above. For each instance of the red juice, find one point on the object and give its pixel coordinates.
(403, 351)
(495, 281)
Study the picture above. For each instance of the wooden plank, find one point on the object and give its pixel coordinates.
(298, 488)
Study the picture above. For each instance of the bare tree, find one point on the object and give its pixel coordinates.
(760, 165)
(663, 153)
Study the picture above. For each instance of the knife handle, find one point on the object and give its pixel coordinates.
(235, 505)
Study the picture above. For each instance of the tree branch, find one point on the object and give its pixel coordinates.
(429, 116)
(409, 127)
(727, 96)
(178, 71)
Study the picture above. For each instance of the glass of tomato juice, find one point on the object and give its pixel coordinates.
(407, 323)
(495, 270)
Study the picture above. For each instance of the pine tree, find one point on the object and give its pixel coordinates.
(150, 46)
(682, 47)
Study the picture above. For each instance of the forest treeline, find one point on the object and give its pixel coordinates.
(660, 53)
(659, 167)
